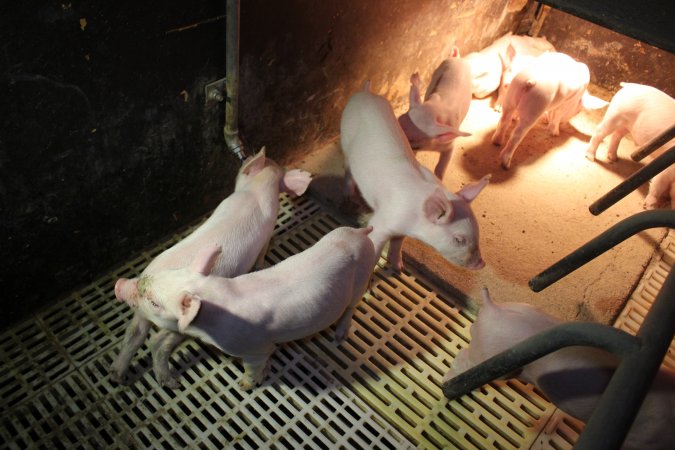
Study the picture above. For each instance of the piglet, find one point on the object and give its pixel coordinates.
(435, 123)
(407, 199)
(573, 378)
(242, 225)
(643, 112)
(553, 83)
(248, 315)
(489, 64)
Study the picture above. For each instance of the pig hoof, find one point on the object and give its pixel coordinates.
(168, 381)
(120, 378)
(590, 156)
(650, 203)
(246, 384)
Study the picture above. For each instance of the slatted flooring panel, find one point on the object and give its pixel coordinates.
(379, 389)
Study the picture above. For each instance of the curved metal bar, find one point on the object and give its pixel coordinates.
(565, 335)
(613, 416)
(634, 181)
(600, 244)
(653, 144)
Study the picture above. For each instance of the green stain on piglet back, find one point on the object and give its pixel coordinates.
(143, 284)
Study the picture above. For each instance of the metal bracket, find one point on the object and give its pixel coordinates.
(214, 92)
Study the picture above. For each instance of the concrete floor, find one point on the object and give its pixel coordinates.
(530, 216)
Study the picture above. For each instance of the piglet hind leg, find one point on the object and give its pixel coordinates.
(502, 126)
(256, 368)
(613, 147)
(162, 346)
(344, 324)
(134, 337)
(604, 129)
(527, 121)
(660, 187)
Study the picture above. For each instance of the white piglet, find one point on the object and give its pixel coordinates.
(248, 315)
(241, 225)
(407, 199)
(489, 64)
(644, 112)
(434, 124)
(573, 378)
(553, 83)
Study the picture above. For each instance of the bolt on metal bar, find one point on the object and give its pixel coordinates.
(653, 144)
(634, 181)
(601, 243)
(564, 335)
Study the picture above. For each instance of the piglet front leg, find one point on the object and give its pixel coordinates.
(256, 367)
(134, 337)
(162, 346)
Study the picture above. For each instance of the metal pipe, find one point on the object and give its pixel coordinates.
(601, 243)
(564, 335)
(653, 144)
(613, 416)
(631, 183)
(231, 129)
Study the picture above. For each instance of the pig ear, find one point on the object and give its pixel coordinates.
(255, 163)
(437, 208)
(205, 259)
(189, 307)
(446, 133)
(507, 58)
(471, 191)
(295, 181)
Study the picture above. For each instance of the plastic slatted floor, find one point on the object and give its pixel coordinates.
(380, 389)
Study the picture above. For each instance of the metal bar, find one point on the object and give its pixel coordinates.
(626, 17)
(631, 183)
(653, 144)
(231, 129)
(565, 335)
(601, 243)
(613, 416)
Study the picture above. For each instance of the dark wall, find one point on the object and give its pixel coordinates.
(105, 145)
(302, 59)
(610, 56)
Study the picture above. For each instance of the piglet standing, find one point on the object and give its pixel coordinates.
(489, 64)
(644, 112)
(553, 83)
(241, 225)
(573, 378)
(407, 199)
(248, 315)
(435, 123)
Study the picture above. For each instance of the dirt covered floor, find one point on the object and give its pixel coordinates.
(529, 216)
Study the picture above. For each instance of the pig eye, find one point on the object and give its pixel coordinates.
(153, 303)
(459, 240)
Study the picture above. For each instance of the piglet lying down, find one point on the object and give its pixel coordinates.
(573, 378)
(248, 315)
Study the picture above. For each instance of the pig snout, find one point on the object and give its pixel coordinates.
(476, 263)
(127, 291)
